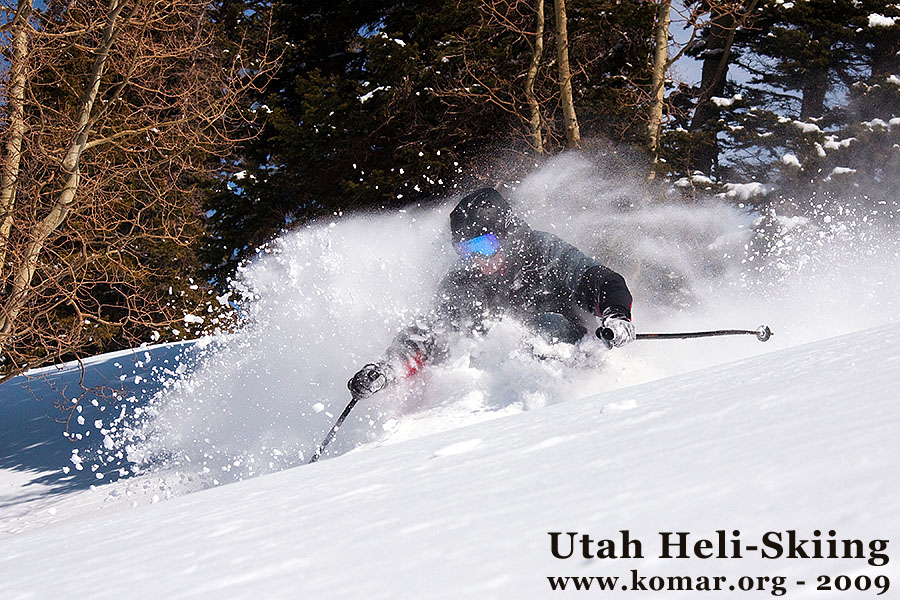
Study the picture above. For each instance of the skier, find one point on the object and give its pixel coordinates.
(506, 268)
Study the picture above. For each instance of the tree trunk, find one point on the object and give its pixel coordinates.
(573, 135)
(658, 81)
(815, 87)
(534, 120)
(885, 57)
(712, 83)
(12, 159)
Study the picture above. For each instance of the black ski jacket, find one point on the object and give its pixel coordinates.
(543, 274)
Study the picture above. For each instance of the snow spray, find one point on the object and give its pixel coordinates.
(325, 299)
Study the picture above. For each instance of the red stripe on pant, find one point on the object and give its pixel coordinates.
(415, 362)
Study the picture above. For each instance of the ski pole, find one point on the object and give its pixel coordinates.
(334, 430)
(762, 333)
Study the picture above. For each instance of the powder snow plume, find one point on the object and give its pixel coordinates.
(324, 300)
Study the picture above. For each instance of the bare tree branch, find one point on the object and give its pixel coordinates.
(117, 110)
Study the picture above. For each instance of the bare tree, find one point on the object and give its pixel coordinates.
(533, 97)
(114, 109)
(573, 135)
(15, 100)
(720, 19)
(658, 79)
(534, 107)
(479, 80)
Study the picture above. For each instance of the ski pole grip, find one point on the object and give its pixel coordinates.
(605, 333)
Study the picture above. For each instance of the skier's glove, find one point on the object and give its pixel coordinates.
(370, 379)
(616, 329)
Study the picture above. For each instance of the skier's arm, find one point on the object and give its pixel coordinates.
(412, 347)
(604, 293)
(415, 345)
(601, 291)
(407, 354)
(593, 287)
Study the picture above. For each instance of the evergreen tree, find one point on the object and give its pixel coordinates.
(803, 59)
(715, 49)
(861, 157)
(383, 104)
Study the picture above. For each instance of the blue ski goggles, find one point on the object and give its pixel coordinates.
(483, 245)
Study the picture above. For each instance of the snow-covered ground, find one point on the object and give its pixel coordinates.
(178, 470)
(802, 439)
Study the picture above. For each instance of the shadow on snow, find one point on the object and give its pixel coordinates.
(54, 420)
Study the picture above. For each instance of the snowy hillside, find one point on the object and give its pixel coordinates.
(799, 439)
(179, 470)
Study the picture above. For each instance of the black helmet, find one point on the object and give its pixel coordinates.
(483, 211)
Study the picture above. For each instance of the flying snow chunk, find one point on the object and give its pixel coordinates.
(842, 171)
(791, 160)
(193, 319)
(878, 20)
(876, 123)
(76, 460)
(726, 102)
(746, 191)
(807, 127)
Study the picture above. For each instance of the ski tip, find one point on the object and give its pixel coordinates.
(763, 333)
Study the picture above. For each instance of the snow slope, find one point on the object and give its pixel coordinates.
(322, 301)
(53, 422)
(447, 485)
(798, 439)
